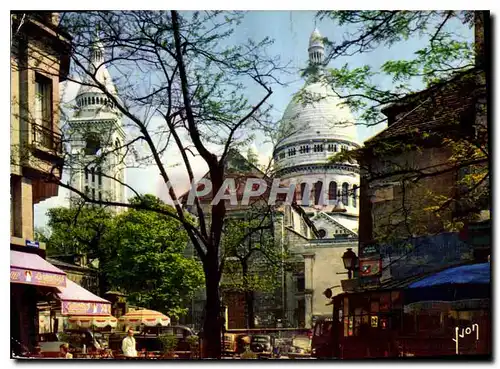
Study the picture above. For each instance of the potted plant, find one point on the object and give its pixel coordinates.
(248, 354)
(194, 345)
(169, 343)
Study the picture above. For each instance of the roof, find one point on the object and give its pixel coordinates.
(29, 261)
(63, 264)
(74, 292)
(431, 119)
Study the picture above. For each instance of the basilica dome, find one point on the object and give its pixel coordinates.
(315, 124)
(316, 113)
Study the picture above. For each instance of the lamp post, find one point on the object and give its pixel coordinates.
(350, 260)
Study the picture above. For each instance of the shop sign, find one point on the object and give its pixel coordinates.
(370, 267)
(466, 331)
(85, 308)
(369, 251)
(26, 276)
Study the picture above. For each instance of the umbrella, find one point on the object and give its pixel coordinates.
(148, 318)
(89, 321)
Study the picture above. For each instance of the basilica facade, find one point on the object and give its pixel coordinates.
(323, 220)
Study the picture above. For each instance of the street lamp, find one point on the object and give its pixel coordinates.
(349, 258)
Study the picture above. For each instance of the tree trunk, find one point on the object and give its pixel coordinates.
(212, 322)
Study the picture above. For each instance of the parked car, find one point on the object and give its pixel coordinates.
(261, 344)
(233, 344)
(322, 338)
(301, 348)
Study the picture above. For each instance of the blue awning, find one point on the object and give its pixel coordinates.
(465, 274)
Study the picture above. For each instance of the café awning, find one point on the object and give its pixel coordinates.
(76, 300)
(26, 268)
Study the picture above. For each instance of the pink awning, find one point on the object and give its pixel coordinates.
(29, 268)
(76, 300)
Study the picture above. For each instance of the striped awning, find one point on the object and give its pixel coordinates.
(148, 318)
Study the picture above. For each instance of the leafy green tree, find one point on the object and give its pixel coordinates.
(82, 230)
(148, 261)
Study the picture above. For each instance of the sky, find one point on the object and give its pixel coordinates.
(291, 31)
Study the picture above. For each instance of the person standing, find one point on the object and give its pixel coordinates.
(128, 345)
(64, 351)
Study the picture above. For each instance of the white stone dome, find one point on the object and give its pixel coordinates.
(316, 40)
(318, 115)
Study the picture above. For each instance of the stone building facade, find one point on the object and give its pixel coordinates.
(39, 58)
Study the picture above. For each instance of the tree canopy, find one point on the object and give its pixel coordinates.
(139, 252)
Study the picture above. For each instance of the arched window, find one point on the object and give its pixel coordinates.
(93, 100)
(102, 101)
(335, 148)
(332, 191)
(354, 195)
(345, 194)
(302, 192)
(318, 186)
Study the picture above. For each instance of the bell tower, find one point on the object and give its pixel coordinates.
(97, 138)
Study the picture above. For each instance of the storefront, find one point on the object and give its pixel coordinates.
(441, 315)
(32, 280)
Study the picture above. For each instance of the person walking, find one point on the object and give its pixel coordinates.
(128, 345)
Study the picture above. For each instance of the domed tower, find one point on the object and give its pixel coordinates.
(97, 137)
(314, 127)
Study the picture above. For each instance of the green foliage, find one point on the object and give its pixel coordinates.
(139, 252)
(169, 342)
(149, 262)
(252, 257)
(79, 230)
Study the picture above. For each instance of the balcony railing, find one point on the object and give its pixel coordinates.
(47, 138)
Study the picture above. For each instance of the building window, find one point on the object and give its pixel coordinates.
(99, 176)
(100, 196)
(43, 111)
(292, 152)
(321, 233)
(92, 172)
(354, 195)
(86, 175)
(345, 194)
(318, 148)
(93, 194)
(332, 191)
(43, 101)
(318, 187)
(302, 191)
(301, 283)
